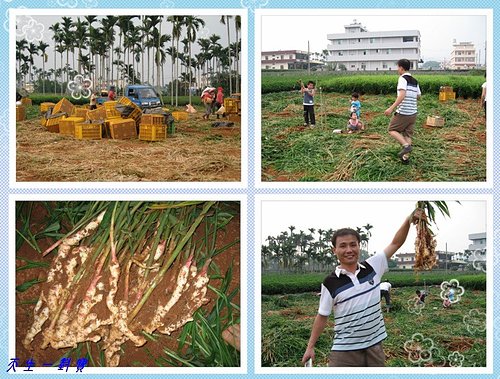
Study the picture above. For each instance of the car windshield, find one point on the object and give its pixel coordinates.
(147, 93)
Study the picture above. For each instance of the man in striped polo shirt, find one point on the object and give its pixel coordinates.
(352, 291)
(403, 122)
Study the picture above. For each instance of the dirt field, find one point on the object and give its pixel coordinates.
(197, 152)
(132, 355)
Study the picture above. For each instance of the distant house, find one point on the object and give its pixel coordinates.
(463, 56)
(406, 261)
(357, 49)
(287, 60)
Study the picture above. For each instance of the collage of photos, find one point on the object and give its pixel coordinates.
(249, 191)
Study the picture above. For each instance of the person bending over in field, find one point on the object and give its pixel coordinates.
(405, 107)
(352, 291)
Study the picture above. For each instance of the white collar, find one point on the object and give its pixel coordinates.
(339, 270)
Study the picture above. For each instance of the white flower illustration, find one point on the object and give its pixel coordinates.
(475, 321)
(419, 348)
(452, 290)
(80, 87)
(456, 359)
(251, 5)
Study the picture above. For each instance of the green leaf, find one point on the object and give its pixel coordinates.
(27, 285)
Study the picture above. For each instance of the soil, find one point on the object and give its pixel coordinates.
(133, 355)
(196, 152)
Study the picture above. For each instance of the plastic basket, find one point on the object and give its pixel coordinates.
(64, 105)
(152, 132)
(88, 130)
(122, 128)
(98, 114)
(112, 113)
(26, 101)
(44, 107)
(52, 124)
(180, 116)
(81, 112)
(152, 119)
(110, 104)
(67, 126)
(231, 105)
(20, 113)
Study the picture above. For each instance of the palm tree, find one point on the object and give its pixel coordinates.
(42, 46)
(215, 49)
(108, 30)
(193, 24)
(56, 30)
(32, 51)
(177, 22)
(80, 36)
(20, 47)
(67, 38)
(223, 20)
(367, 228)
(237, 26)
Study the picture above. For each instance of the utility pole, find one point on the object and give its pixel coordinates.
(446, 257)
(308, 59)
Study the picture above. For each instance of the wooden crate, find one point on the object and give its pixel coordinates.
(64, 106)
(122, 128)
(20, 113)
(44, 107)
(180, 116)
(67, 126)
(152, 119)
(88, 130)
(435, 121)
(152, 132)
(26, 101)
(81, 112)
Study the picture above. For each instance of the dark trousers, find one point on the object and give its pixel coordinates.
(386, 296)
(309, 114)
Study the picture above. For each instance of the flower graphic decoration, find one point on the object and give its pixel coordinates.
(478, 261)
(456, 359)
(80, 87)
(475, 321)
(415, 307)
(34, 31)
(419, 348)
(251, 5)
(452, 290)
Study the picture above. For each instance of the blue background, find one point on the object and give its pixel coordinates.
(252, 189)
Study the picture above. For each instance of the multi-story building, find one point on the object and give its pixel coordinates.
(286, 60)
(477, 250)
(358, 49)
(463, 56)
(445, 260)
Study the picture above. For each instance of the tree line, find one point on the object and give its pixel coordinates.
(301, 251)
(133, 50)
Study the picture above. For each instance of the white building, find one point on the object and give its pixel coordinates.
(463, 56)
(286, 60)
(358, 49)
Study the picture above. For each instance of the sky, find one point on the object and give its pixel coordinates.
(386, 217)
(212, 26)
(437, 32)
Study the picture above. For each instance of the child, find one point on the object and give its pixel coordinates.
(308, 103)
(420, 298)
(355, 104)
(93, 101)
(353, 125)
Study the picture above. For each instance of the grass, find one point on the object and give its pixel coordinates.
(287, 322)
(291, 152)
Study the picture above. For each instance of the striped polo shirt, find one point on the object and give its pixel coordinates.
(408, 83)
(355, 301)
